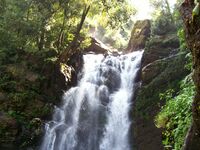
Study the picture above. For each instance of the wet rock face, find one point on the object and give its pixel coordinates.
(56, 82)
(192, 28)
(162, 68)
(156, 78)
(139, 35)
(104, 95)
(111, 78)
(165, 69)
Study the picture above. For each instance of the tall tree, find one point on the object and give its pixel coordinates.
(35, 25)
(162, 7)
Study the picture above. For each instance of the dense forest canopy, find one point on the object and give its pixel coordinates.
(34, 25)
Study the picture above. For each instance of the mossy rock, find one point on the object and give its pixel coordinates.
(166, 74)
(139, 35)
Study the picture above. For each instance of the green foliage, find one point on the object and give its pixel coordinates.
(166, 18)
(34, 25)
(162, 8)
(183, 47)
(196, 10)
(85, 43)
(113, 25)
(19, 116)
(189, 65)
(181, 35)
(176, 116)
(162, 26)
(37, 27)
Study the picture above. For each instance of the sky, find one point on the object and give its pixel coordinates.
(144, 9)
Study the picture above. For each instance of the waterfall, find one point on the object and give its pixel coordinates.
(95, 114)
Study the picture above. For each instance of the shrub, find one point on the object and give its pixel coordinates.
(175, 117)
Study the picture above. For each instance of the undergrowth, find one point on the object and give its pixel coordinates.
(176, 116)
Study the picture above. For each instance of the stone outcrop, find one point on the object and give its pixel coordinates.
(98, 47)
(163, 66)
(192, 30)
(157, 77)
(159, 47)
(139, 35)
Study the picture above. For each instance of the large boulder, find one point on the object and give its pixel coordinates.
(98, 47)
(139, 35)
(159, 47)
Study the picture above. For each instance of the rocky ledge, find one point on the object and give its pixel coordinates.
(163, 66)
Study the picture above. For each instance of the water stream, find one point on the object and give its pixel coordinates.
(95, 114)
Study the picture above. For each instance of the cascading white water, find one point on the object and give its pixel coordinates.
(95, 114)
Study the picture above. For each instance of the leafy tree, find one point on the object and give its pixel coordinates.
(163, 16)
(162, 7)
(38, 26)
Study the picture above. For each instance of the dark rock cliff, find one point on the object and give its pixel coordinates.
(162, 68)
(192, 29)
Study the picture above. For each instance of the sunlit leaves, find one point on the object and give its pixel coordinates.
(175, 116)
(196, 10)
(41, 25)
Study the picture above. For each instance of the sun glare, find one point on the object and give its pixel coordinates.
(144, 9)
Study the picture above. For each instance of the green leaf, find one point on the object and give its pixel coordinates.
(196, 10)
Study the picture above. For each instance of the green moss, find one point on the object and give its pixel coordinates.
(170, 40)
(167, 78)
(148, 98)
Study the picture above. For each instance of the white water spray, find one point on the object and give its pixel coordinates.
(95, 114)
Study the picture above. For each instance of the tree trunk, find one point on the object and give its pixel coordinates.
(169, 11)
(61, 34)
(192, 30)
(75, 44)
(60, 37)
